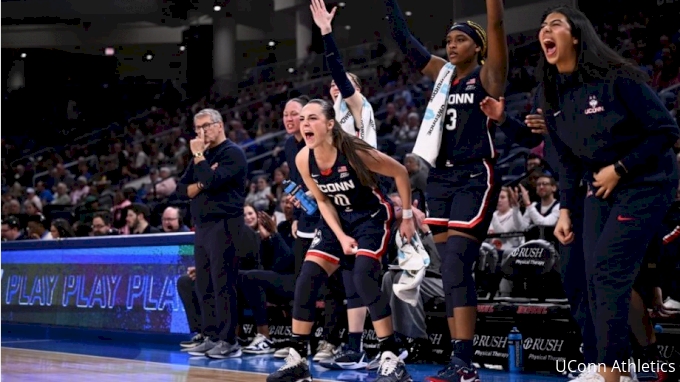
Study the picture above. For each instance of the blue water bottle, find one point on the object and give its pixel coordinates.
(308, 204)
(515, 351)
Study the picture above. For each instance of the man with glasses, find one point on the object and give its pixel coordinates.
(215, 181)
(172, 221)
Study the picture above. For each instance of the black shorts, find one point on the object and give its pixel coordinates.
(371, 230)
(462, 198)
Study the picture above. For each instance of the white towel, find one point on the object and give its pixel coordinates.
(367, 130)
(430, 134)
(413, 260)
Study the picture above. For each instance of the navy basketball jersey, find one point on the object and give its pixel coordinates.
(342, 187)
(467, 134)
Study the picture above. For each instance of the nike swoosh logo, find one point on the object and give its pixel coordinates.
(375, 213)
(315, 175)
(476, 175)
(624, 218)
(472, 379)
(557, 113)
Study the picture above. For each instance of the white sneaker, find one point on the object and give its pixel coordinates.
(671, 304)
(282, 353)
(324, 350)
(260, 345)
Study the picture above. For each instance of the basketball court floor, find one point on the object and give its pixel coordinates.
(26, 358)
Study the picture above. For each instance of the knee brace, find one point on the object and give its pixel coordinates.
(456, 269)
(366, 276)
(307, 286)
(352, 295)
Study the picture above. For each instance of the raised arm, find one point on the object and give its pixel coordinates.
(328, 211)
(494, 73)
(323, 19)
(425, 62)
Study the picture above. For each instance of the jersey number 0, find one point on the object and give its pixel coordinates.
(453, 119)
(341, 200)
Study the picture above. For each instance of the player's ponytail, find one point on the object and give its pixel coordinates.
(348, 145)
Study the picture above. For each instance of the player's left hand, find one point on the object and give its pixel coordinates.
(494, 109)
(197, 145)
(606, 180)
(407, 229)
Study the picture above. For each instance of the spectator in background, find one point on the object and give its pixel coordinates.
(11, 229)
(543, 213)
(80, 190)
(167, 184)
(262, 198)
(43, 193)
(140, 161)
(417, 172)
(36, 229)
(137, 220)
(61, 229)
(30, 208)
(62, 198)
(101, 225)
(12, 207)
(507, 218)
(172, 221)
(31, 195)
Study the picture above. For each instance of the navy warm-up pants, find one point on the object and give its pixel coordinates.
(216, 257)
(574, 282)
(616, 233)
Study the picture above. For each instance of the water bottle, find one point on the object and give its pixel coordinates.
(308, 204)
(515, 351)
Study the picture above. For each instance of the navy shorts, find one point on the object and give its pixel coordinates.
(462, 198)
(371, 230)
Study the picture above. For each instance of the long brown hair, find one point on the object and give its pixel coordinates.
(349, 145)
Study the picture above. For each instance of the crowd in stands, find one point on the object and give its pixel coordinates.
(138, 164)
(124, 182)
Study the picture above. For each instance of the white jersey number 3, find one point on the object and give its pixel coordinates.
(453, 120)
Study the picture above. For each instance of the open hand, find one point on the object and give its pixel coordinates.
(266, 221)
(494, 109)
(322, 18)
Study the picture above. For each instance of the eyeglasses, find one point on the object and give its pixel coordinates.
(204, 126)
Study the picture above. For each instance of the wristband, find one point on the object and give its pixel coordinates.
(407, 214)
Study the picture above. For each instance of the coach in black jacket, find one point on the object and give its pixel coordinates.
(216, 183)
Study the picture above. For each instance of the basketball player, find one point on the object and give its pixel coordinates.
(456, 138)
(340, 170)
(303, 230)
(613, 133)
(345, 90)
